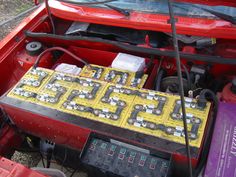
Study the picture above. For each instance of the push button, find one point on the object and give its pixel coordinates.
(121, 156)
(93, 145)
(153, 163)
(122, 151)
(112, 150)
(103, 145)
(143, 158)
(131, 159)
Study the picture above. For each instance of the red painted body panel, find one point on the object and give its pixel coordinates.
(227, 95)
(144, 21)
(9, 168)
(9, 139)
(44, 127)
(11, 40)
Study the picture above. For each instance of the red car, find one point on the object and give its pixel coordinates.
(95, 85)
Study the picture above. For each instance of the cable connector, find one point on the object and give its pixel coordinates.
(201, 102)
(205, 95)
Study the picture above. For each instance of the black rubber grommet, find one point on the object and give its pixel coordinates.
(34, 48)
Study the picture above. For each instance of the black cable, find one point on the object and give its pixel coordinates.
(75, 170)
(187, 76)
(205, 95)
(65, 157)
(44, 166)
(157, 82)
(49, 158)
(58, 49)
(159, 79)
(132, 48)
(181, 89)
(50, 16)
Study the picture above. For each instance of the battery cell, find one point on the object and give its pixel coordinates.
(139, 110)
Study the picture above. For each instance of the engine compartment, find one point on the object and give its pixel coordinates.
(99, 45)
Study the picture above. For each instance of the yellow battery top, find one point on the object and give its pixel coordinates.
(149, 112)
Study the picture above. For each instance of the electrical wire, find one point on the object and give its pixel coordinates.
(205, 95)
(65, 157)
(50, 16)
(60, 49)
(75, 170)
(181, 89)
(41, 155)
(187, 76)
(158, 78)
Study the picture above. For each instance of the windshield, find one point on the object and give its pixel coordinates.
(161, 7)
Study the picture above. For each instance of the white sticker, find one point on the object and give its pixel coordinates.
(149, 111)
(151, 93)
(136, 124)
(139, 118)
(189, 115)
(73, 103)
(150, 97)
(69, 107)
(179, 128)
(177, 134)
(82, 96)
(187, 105)
(115, 98)
(116, 90)
(105, 110)
(112, 103)
(188, 121)
(85, 91)
(89, 80)
(54, 89)
(151, 106)
(188, 100)
(101, 115)
(118, 86)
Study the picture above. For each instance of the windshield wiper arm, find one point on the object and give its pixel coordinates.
(120, 10)
(95, 2)
(231, 19)
(87, 3)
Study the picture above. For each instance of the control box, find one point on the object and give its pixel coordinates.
(112, 158)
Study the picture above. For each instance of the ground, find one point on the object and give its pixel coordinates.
(8, 10)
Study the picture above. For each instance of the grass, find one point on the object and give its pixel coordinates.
(22, 5)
